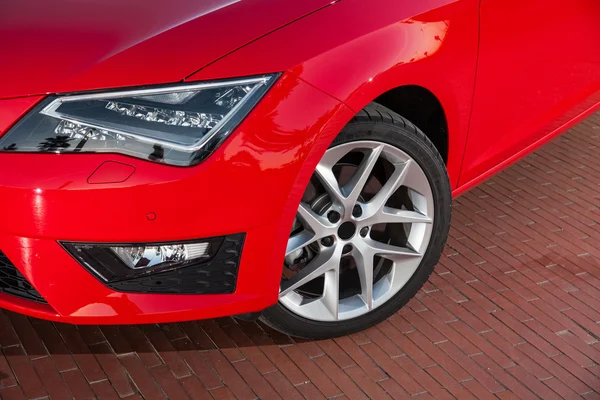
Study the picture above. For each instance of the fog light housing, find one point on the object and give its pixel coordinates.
(114, 262)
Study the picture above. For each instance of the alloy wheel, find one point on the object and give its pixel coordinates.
(361, 231)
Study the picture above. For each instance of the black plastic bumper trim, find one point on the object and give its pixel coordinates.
(218, 275)
(14, 283)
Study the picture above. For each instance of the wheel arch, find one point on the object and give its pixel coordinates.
(434, 105)
(422, 108)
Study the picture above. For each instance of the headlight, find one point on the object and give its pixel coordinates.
(178, 125)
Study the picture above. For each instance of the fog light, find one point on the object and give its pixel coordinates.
(121, 261)
(136, 257)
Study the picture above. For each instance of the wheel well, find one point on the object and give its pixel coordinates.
(423, 109)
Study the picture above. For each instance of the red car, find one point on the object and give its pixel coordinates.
(293, 161)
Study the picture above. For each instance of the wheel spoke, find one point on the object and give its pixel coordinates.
(330, 182)
(331, 292)
(407, 174)
(364, 266)
(299, 240)
(325, 173)
(414, 178)
(394, 253)
(355, 186)
(394, 216)
(326, 260)
(402, 271)
(389, 188)
(317, 224)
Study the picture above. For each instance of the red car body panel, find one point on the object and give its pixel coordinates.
(392, 45)
(57, 202)
(503, 90)
(533, 78)
(67, 46)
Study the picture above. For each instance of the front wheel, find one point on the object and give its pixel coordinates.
(369, 229)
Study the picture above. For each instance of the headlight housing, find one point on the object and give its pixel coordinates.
(178, 125)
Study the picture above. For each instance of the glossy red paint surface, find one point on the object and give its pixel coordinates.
(67, 46)
(277, 146)
(532, 78)
(432, 44)
(507, 82)
(13, 109)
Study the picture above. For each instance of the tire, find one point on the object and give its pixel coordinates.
(376, 123)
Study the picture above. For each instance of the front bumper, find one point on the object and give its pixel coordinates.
(251, 184)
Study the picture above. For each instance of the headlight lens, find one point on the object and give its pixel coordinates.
(177, 125)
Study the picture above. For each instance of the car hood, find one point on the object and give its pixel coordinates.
(73, 45)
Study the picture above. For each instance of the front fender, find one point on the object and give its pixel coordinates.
(356, 50)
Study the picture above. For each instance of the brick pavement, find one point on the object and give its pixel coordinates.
(512, 311)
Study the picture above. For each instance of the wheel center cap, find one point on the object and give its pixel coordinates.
(346, 230)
